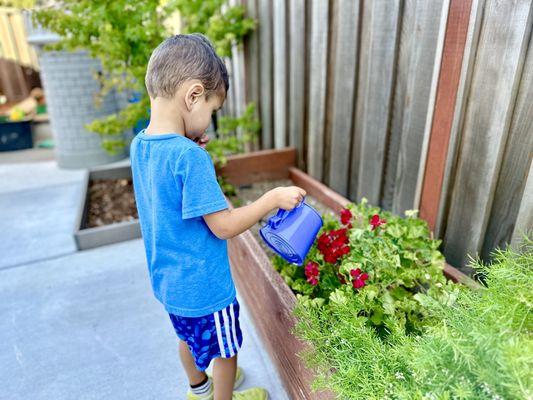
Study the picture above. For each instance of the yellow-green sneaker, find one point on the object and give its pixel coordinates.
(251, 394)
(239, 378)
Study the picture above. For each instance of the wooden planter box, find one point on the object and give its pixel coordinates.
(267, 296)
(88, 238)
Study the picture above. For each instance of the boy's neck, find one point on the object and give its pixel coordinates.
(164, 118)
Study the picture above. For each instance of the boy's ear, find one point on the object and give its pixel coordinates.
(193, 94)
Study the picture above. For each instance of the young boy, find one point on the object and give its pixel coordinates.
(185, 220)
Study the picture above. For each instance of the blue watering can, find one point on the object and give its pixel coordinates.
(292, 233)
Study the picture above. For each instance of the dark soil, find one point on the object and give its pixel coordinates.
(110, 201)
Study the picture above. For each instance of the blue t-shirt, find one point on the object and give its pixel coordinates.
(175, 184)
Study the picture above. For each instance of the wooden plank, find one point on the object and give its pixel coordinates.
(265, 72)
(469, 57)
(425, 31)
(509, 193)
(237, 60)
(317, 189)
(450, 73)
(524, 220)
(280, 74)
(431, 102)
(499, 61)
(297, 69)
(376, 80)
(251, 64)
(317, 87)
(343, 92)
(258, 166)
(270, 302)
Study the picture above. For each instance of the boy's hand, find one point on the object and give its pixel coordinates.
(287, 197)
(202, 141)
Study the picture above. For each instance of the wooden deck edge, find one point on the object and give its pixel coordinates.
(257, 166)
(317, 189)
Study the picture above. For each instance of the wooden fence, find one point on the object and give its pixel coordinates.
(411, 104)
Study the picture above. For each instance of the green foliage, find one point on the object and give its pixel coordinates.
(229, 143)
(123, 34)
(225, 29)
(478, 347)
(400, 258)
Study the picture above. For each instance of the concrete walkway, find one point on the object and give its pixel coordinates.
(85, 325)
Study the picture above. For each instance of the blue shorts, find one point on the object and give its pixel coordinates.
(210, 336)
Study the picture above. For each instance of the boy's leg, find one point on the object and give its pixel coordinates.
(195, 376)
(224, 370)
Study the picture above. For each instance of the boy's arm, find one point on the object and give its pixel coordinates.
(226, 224)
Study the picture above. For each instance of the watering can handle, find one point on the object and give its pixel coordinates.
(281, 215)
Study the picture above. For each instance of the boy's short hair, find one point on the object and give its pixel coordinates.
(183, 57)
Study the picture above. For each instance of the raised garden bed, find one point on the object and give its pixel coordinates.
(107, 212)
(268, 297)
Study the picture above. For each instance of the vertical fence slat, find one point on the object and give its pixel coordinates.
(516, 162)
(376, 69)
(280, 74)
(499, 60)
(524, 221)
(251, 62)
(469, 58)
(418, 77)
(317, 91)
(449, 79)
(265, 72)
(297, 56)
(343, 93)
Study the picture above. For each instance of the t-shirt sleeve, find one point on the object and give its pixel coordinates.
(201, 192)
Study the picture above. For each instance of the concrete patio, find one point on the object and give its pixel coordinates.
(84, 325)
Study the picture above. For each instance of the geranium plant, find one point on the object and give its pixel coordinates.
(381, 258)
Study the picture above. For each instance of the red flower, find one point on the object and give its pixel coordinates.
(312, 273)
(333, 244)
(358, 278)
(342, 279)
(375, 221)
(346, 216)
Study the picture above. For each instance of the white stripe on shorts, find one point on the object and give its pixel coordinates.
(219, 335)
(235, 340)
(228, 333)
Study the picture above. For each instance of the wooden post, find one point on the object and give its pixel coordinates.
(450, 73)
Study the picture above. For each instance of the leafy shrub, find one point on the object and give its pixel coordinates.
(122, 35)
(379, 258)
(478, 347)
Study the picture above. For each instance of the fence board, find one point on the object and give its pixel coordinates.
(265, 72)
(343, 93)
(499, 61)
(297, 55)
(317, 89)
(449, 79)
(251, 62)
(422, 53)
(280, 74)
(376, 68)
(524, 222)
(515, 167)
(469, 57)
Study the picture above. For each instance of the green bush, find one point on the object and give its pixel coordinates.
(478, 347)
(122, 35)
(376, 259)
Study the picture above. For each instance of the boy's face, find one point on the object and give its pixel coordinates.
(198, 118)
